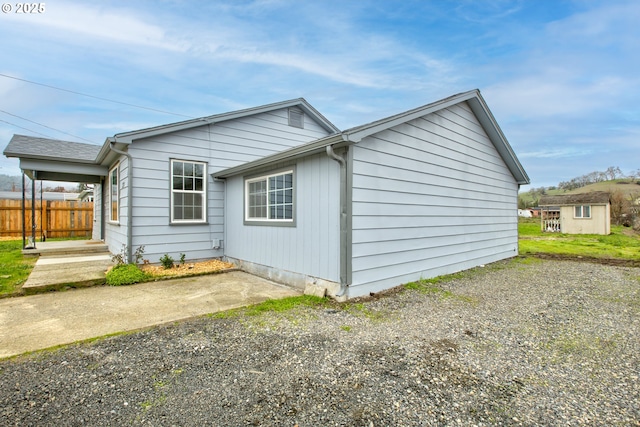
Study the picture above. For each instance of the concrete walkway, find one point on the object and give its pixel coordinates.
(67, 263)
(40, 321)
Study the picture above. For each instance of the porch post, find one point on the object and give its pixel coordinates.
(33, 209)
(22, 218)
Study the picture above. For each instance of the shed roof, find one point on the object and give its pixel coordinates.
(356, 134)
(594, 197)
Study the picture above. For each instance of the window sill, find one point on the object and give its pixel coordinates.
(189, 223)
(271, 223)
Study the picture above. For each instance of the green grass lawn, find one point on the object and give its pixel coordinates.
(14, 268)
(622, 243)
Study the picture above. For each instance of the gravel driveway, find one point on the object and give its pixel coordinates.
(523, 342)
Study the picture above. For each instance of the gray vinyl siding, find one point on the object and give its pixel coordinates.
(312, 247)
(116, 234)
(431, 196)
(221, 145)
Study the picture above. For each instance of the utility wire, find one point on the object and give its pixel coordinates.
(48, 127)
(95, 97)
(30, 130)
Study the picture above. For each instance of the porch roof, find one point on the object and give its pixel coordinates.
(56, 160)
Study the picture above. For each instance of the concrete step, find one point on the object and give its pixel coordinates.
(78, 247)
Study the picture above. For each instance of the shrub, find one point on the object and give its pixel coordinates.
(138, 254)
(121, 257)
(166, 261)
(125, 274)
(182, 259)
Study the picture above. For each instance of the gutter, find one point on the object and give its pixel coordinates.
(344, 284)
(112, 147)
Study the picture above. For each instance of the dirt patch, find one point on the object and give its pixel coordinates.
(188, 269)
(603, 261)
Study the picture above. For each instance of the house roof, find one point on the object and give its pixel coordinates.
(127, 137)
(56, 160)
(594, 197)
(356, 134)
(51, 149)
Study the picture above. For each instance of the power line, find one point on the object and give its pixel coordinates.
(95, 97)
(30, 130)
(48, 127)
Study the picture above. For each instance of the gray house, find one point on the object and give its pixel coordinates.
(282, 193)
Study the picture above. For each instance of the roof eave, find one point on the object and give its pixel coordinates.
(128, 137)
(314, 147)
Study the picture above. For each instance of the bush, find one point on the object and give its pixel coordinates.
(125, 274)
(166, 261)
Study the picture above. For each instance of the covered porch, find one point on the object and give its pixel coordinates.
(52, 160)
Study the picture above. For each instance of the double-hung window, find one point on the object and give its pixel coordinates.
(582, 211)
(270, 198)
(188, 191)
(114, 194)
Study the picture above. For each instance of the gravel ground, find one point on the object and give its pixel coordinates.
(524, 342)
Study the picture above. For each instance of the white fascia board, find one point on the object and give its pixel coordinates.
(499, 140)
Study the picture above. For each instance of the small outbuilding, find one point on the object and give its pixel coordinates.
(586, 213)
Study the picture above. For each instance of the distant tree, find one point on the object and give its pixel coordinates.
(81, 187)
(613, 172)
(620, 207)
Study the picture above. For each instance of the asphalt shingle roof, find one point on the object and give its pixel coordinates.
(45, 148)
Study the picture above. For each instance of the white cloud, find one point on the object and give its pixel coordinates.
(121, 25)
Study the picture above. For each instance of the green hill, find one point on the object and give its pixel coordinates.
(626, 186)
(630, 188)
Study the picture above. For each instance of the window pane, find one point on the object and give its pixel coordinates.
(177, 168)
(578, 212)
(188, 212)
(198, 186)
(288, 211)
(199, 170)
(197, 212)
(177, 183)
(177, 198)
(188, 169)
(177, 212)
(586, 212)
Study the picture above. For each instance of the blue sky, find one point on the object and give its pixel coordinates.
(562, 78)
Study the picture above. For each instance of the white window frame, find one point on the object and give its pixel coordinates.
(174, 192)
(269, 220)
(116, 170)
(582, 209)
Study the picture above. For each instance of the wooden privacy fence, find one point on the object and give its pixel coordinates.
(67, 218)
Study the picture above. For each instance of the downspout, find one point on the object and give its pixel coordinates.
(129, 197)
(343, 221)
